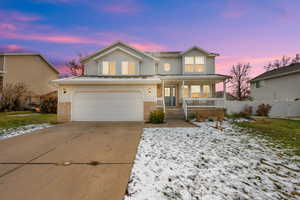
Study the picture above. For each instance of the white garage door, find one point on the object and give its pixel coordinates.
(107, 106)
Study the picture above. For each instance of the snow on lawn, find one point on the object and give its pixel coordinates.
(12, 132)
(207, 163)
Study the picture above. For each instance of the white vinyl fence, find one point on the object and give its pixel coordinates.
(279, 108)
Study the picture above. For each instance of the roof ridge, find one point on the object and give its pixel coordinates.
(277, 71)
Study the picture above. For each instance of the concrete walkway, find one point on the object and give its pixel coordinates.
(32, 165)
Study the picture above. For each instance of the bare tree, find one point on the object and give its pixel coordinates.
(296, 59)
(240, 80)
(75, 66)
(12, 95)
(284, 61)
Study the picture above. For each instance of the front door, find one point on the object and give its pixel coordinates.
(170, 95)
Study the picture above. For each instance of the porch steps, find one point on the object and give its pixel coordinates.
(174, 114)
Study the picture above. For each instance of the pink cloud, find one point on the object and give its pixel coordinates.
(63, 69)
(67, 39)
(119, 9)
(147, 46)
(11, 48)
(234, 9)
(224, 64)
(7, 26)
(14, 47)
(122, 7)
(18, 16)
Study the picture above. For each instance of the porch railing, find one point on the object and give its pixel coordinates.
(161, 103)
(201, 103)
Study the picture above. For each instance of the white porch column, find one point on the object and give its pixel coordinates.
(163, 95)
(182, 90)
(224, 90)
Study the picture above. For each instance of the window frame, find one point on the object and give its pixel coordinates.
(257, 84)
(201, 94)
(191, 91)
(165, 66)
(129, 64)
(196, 66)
(108, 68)
(209, 94)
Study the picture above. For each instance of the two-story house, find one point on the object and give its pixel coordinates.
(30, 69)
(122, 83)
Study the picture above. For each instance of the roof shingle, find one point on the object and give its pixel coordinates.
(292, 68)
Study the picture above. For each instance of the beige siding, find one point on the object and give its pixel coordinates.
(1, 63)
(281, 88)
(118, 57)
(209, 67)
(147, 65)
(175, 63)
(32, 71)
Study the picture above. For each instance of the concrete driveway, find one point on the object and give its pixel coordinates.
(31, 165)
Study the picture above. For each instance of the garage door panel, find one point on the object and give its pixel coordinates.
(126, 106)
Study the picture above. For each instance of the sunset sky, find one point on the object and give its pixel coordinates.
(255, 31)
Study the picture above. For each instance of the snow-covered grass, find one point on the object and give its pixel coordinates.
(12, 132)
(208, 163)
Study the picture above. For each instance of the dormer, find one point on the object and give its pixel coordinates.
(119, 59)
(198, 61)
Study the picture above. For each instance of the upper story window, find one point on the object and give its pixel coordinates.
(128, 68)
(108, 68)
(167, 67)
(194, 64)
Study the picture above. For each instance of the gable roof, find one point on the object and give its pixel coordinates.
(117, 48)
(32, 54)
(199, 49)
(282, 71)
(116, 43)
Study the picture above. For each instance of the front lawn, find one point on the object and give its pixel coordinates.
(283, 132)
(17, 119)
(208, 163)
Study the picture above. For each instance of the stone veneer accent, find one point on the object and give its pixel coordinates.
(64, 111)
(148, 107)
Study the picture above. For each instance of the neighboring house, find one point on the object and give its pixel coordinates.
(278, 84)
(122, 83)
(31, 69)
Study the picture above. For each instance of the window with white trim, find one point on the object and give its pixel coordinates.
(206, 91)
(108, 68)
(194, 63)
(199, 60)
(189, 60)
(195, 91)
(167, 67)
(128, 68)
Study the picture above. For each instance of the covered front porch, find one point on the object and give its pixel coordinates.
(191, 92)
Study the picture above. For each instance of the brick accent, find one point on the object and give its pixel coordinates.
(205, 113)
(148, 107)
(64, 111)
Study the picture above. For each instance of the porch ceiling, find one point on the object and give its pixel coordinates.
(194, 79)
